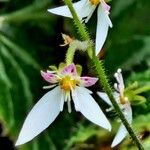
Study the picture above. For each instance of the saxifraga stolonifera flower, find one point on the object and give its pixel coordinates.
(124, 104)
(67, 85)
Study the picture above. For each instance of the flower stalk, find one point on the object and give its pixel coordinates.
(70, 54)
(101, 73)
(74, 45)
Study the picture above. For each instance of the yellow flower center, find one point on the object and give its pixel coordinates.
(67, 83)
(95, 2)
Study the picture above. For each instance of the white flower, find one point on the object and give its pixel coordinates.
(123, 103)
(68, 84)
(85, 9)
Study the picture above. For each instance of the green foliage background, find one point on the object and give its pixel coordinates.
(29, 41)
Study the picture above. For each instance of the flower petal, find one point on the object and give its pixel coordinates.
(79, 7)
(41, 116)
(87, 90)
(87, 81)
(49, 77)
(127, 110)
(87, 11)
(62, 11)
(71, 70)
(103, 24)
(106, 9)
(105, 6)
(121, 134)
(104, 97)
(90, 109)
(75, 100)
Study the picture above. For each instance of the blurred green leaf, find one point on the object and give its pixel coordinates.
(142, 55)
(3, 74)
(21, 75)
(6, 106)
(121, 6)
(142, 77)
(19, 52)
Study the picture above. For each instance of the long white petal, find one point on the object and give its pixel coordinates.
(108, 20)
(90, 109)
(106, 9)
(80, 8)
(87, 11)
(87, 90)
(105, 97)
(90, 14)
(122, 132)
(41, 116)
(103, 23)
(128, 112)
(62, 11)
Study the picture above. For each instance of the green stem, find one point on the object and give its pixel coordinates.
(101, 74)
(70, 54)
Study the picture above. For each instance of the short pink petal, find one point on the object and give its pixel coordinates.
(49, 77)
(88, 81)
(105, 6)
(71, 69)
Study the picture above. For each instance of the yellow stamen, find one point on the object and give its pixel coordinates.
(67, 83)
(95, 2)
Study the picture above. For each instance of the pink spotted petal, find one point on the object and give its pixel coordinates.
(70, 70)
(49, 77)
(87, 81)
(105, 6)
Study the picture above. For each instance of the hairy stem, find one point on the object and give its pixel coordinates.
(101, 74)
(70, 54)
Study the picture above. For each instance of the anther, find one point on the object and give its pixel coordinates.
(116, 86)
(116, 75)
(119, 70)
